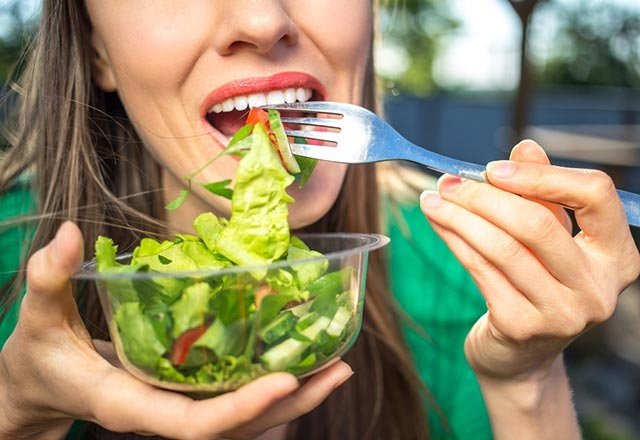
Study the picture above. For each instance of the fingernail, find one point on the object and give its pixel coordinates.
(448, 183)
(502, 168)
(430, 199)
(343, 380)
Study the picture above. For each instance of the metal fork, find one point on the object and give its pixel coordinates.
(358, 135)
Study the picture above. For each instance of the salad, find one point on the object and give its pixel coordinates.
(192, 321)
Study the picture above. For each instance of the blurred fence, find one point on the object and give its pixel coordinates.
(476, 127)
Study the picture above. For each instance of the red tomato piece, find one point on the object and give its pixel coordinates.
(183, 344)
(258, 116)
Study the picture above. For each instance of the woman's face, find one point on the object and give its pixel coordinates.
(173, 62)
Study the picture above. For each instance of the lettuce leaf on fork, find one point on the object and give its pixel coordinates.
(258, 230)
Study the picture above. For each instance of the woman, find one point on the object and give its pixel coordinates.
(120, 101)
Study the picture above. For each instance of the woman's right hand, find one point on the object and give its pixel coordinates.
(51, 374)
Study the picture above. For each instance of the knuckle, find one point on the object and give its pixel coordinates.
(602, 308)
(476, 263)
(540, 222)
(472, 192)
(510, 249)
(600, 186)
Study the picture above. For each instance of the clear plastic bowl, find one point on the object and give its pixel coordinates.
(210, 332)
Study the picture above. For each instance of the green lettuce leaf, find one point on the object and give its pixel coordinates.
(224, 340)
(209, 226)
(310, 271)
(138, 336)
(258, 230)
(189, 311)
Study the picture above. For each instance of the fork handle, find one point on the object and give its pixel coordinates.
(443, 164)
(631, 203)
(472, 171)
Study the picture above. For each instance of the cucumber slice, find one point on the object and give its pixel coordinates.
(278, 328)
(288, 160)
(289, 352)
(339, 322)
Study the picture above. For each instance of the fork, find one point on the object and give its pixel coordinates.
(356, 135)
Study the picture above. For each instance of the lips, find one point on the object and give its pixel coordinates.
(225, 108)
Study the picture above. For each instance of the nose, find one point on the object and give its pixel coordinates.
(258, 25)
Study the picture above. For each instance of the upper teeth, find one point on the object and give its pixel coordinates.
(274, 97)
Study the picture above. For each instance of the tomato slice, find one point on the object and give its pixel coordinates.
(183, 344)
(259, 116)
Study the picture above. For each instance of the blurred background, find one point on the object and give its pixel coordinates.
(471, 77)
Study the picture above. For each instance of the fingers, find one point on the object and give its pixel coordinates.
(501, 297)
(49, 295)
(591, 194)
(305, 399)
(529, 151)
(124, 404)
(511, 232)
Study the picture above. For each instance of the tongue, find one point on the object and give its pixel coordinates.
(227, 123)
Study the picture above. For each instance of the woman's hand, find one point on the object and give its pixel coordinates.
(51, 374)
(543, 286)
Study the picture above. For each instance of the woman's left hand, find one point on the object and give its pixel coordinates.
(543, 286)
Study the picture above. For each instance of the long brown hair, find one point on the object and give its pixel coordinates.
(90, 167)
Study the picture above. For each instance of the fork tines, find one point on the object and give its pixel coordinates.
(307, 107)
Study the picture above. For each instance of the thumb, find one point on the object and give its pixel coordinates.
(530, 151)
(49, 295)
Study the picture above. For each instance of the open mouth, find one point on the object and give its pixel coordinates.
(226, 108)
(229, 115)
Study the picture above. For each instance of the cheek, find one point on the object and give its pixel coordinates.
(152, 54)
(154, 49)
(341, 29)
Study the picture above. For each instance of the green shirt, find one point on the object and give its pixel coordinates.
(442, 303)
(435, 291)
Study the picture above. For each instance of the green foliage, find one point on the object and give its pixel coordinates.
(416, 27)
(596, 44)
(13, 38)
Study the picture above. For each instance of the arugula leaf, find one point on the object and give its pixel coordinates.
(307, 165)
(178, 201)
(241, 134)
(220, 188)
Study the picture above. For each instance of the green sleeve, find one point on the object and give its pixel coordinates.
(442, 304)
(15, 233)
